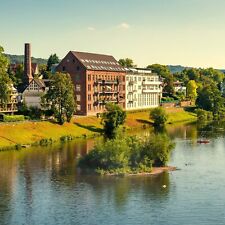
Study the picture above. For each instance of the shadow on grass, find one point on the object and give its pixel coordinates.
(91, 128)
(145, 121)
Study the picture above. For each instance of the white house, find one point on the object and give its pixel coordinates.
(34, 91)
(143, 89)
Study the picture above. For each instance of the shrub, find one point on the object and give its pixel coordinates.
(159, 116)
(130, 154)
(204, 115)
(14, 118)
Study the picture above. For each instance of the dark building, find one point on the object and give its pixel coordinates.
(27, 63)
(98, 79)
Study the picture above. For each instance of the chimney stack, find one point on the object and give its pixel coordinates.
(27, 63)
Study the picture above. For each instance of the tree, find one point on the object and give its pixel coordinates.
(5, 81)
(192, 90)
(4, 62)
(158, 148)
(161, 70)
(60, 97)
(169, 85)
(129, 63)
(159, 116)
(5, 85)
(112, 119)
(210, 99)
(53, 59)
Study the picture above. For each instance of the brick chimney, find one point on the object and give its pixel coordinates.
(27, 63)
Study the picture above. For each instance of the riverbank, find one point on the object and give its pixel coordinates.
(154, 171)
(27, 133)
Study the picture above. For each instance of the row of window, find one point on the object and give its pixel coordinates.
(139, 78)
(104, 77)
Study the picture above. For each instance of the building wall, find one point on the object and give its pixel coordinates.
(143, 90)
(78, 75)
(32, 95)
(103, 87)
(89, 83)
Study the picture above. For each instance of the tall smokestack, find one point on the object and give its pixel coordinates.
(27, 63)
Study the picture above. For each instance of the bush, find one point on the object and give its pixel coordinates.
(204, 115)
(159, 116)
(130, 154)
(14, 118)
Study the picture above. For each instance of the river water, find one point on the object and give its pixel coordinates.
(42, 186)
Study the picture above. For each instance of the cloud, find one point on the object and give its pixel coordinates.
(124, 26)
(91, 28)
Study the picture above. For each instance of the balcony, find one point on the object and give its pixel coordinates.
(148, 82)
(109, 82)
(132, 82)
(151, 91)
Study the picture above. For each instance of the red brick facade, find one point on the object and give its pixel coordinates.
(93, 88)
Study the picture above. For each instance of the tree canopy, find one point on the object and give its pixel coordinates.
(112, 118)
(53, 59)
(60, 97)
(127, 62)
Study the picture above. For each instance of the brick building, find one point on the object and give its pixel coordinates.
(98, 79)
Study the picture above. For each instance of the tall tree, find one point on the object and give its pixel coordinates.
(210, 99)
(129, 63)
(60, 97)
(4, 78)
(161, 70)
(53, 59)
(112, 118)
(192, 90)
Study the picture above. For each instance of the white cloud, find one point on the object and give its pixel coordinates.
(91, 28)
(124, 26)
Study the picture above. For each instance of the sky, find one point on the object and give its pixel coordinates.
(170, 32)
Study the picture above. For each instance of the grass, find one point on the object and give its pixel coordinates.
(26, 133)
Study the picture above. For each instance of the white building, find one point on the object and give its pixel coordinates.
(143, 89)
(34, 91)
(11, 106)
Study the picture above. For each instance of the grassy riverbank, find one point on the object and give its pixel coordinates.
(26, 133)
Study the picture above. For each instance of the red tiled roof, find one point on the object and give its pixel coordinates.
(94, 61)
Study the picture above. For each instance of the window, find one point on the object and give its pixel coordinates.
(89, 106)
(139, 78)
(63, 68)
(78, 107)
(89, 97)
(78, 98)
(77, 77)
(89, 77)
(89, 87)
(78, 68)
(78, 87)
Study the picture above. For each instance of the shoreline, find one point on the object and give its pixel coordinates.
(155, 171)
(28, 133)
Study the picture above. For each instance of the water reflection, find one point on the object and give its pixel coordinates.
(44, 186)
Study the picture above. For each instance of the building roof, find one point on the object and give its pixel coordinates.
(94, 61)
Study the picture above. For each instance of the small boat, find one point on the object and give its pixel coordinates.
(203, 141)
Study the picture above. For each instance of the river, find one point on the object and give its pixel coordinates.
(42, 186)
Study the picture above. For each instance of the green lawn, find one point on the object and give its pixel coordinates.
(30, 132)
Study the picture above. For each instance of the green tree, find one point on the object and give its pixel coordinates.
(210, 99)
(161, 70)
(5, 86)
(159, 116)
(53, 59)
(112, 119)
(5, 81)
(169, 85)
(158, 148)
(60, 97)
(129, 63)
(192, 90)
(4, 62)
